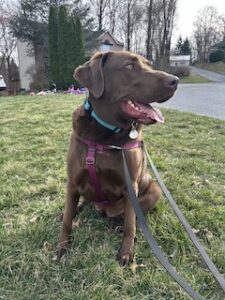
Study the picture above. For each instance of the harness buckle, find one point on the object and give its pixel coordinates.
(115, 147)
(90, 160)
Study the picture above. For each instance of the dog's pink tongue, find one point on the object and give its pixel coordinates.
(153, 113)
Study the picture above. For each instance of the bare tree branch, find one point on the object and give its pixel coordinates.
(7, 41)
(208, 30)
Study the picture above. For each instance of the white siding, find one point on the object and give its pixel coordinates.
(180, 60)
(26, 63)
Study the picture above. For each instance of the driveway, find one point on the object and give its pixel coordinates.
(206, 99)
(212, 76)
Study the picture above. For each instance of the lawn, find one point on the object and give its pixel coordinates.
(194, 78)
(189, 153)
(216, 67)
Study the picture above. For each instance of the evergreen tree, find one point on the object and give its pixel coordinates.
(29, 21)
(63, 45)
(67, 51)
(80, 42)
(178, 46)
(79, 52)
(186, 47)
(72, 50)
(53, 49)
(76, 47)
(183, 47)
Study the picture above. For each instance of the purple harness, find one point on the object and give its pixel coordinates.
(94, 148)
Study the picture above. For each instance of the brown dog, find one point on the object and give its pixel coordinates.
(121, 85)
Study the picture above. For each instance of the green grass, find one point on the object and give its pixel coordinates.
(189, 153)
(218, 67)
(194, 78)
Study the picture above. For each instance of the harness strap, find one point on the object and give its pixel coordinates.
(90, 163)
(93, 148)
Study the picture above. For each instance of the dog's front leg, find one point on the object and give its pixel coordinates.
(129, 232)
(72, 199)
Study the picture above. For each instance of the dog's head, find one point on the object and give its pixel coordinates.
(123, 85)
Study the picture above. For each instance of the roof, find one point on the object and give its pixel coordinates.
(116, 41)
(219, 45)
(180, 57)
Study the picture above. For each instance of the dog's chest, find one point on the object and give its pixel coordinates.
(108, 168)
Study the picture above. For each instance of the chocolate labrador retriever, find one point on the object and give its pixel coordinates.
(122, 86)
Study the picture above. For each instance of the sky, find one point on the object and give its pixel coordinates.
(187, 11)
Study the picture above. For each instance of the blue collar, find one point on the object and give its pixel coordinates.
(89, 109)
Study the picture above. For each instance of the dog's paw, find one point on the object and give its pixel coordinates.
(125, 258)
(60, 255)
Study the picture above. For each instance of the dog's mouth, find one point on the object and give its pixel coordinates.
(142, 113)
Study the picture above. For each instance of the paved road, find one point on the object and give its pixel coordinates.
(203, 99)
(212, 76)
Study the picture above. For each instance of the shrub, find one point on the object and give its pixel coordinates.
(40, 82)
(217, 55)
(180, 71)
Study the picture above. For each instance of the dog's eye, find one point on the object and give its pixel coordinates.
(130, 66)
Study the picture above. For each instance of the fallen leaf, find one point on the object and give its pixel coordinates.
(76, 224)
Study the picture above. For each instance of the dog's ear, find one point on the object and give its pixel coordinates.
(91, 76)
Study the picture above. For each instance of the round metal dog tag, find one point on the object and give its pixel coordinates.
(133, 134)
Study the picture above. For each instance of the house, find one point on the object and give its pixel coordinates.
(218, 46)
(26, 65)
(2, 83)
(107, 42)
(180, 60)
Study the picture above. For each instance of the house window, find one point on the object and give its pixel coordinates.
(107, 42)
(105, 47)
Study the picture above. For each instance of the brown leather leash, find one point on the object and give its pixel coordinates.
(211, 266)
(133, 198)
(151, 240)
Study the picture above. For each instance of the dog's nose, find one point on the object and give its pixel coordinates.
(172, 81)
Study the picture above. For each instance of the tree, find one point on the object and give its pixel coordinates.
(75, 48)
(207, 31)
(129, 3)
(77, 52)
(99, 9)
(159, 25)
(130, 16)
(90, 33)
(149, 29)
(54, 70)
(186, 47)
(80, 43)
(64, 42)
(183, 47)
(30, 24)
(167, 19)
(7, 44)
(178, 47)
(70, 46)
(222, 21)
(218, 55)
(112, 13)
